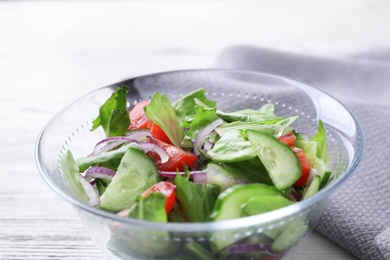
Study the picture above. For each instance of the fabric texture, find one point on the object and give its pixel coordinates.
(357, 215)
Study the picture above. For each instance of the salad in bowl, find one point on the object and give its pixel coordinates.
(236, 168)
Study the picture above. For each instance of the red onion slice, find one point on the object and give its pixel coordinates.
(152, 147)
(247, 248)
(196, 176)
(99, 172)
(107, 144)
(91, 192)
(201, 136)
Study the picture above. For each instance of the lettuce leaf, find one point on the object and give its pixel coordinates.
(151, 208)
(161, 112)
(186, 105)
(113, 115)
(264, 113)
(232, 146)
(320, 139)
(196, 200)
(202, 118)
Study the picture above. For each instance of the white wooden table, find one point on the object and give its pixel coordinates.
(52, 52)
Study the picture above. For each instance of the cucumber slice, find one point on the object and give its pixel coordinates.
(279, 159)
(313, 188)
(289, 236)
(258, 205)
(136, 173)
(198, 251)
(72, 175)
(230, 203)
(217, 175)
(325, 178)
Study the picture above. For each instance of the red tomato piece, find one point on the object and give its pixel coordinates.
(177, 157)
(288, 139)
(168, 189)
(305, 165)
(138, 118)
(159, 133)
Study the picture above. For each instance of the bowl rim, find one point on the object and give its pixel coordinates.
(243, 222)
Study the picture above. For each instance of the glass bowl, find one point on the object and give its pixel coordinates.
(137, 239)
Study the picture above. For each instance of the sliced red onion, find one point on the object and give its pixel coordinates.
(196, 176)
(294, 195)
(91, 192)
(247, 248)
(201, 136)
(123, 213)
(107, 144)
(99, 172)
(152, 147)
(199, 177)
(207, 146)
(241, 181)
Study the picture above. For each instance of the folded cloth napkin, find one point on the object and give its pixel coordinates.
(357, 215)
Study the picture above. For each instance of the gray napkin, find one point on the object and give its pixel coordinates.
(357, 215)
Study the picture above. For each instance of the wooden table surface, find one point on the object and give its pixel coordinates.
(52, 52)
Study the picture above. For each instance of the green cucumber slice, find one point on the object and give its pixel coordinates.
(313, 188)
(136, 173)
(230, 203)
(258, 205)
(289, 236)
(72, 176)
(280, 160)
(325, 179)
(217, 175)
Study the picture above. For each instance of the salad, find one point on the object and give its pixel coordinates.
(189, 161)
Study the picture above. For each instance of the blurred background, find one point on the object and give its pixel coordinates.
(52, 52)
(82, 45)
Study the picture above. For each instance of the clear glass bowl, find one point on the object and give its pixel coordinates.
(136, 239)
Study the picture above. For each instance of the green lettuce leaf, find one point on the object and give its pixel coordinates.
(232, 145)
(202, 118)
(151, 208)
(320, 139)
(113, 115)
(110, 159)
(196, 200)
(264, 113)
(251, 171)
(161, 112)
(186, 105)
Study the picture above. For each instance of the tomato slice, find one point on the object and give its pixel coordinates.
(157, 132)
(138, 118)
(165, 188)
(288, 139)
(177, 157)
(305, 165)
